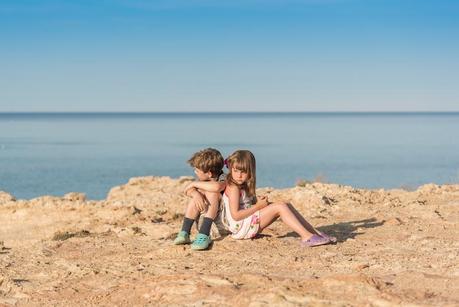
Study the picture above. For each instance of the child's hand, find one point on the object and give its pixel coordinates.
(262, 201)
(188, 186)
(199, 201)
(264, 197)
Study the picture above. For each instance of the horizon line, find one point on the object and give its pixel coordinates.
(217, 112)
(251, 111)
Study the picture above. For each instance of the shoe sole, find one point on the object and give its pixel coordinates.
(201, 248)
(182, 243)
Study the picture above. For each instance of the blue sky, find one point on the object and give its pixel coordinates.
(253, 55)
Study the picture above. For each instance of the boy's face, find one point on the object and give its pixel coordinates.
(202, 176)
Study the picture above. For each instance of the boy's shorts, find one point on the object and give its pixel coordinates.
(218, 229)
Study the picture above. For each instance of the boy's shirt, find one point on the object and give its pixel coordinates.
(221, 177)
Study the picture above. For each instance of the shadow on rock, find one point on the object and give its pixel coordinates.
(349, 230)
(345, 230)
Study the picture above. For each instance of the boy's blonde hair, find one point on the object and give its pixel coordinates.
(208, 160)
(244, 160)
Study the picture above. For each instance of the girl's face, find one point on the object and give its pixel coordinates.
(238, 175)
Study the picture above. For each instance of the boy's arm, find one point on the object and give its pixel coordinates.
(199, 199)
(208, 186)
(189, 191)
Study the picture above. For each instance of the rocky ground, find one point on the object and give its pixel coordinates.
(394, 247)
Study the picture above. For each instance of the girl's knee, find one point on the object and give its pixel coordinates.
(281, 207)
(281, 204)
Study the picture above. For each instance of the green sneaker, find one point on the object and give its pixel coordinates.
(201, 242)
(182, 238)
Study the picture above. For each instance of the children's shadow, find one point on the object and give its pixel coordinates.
(261, 236)
(346, 230)
(349, 230)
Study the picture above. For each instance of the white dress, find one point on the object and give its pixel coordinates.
(243, 229)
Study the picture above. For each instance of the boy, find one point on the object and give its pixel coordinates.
(205, 193)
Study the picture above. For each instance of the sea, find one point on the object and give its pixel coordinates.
(57, 153)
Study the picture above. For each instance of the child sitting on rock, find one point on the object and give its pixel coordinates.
(246, 215)
(205, 197)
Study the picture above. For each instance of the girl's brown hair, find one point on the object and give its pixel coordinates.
(243, 160)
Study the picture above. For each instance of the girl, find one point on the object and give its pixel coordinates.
(245, 219)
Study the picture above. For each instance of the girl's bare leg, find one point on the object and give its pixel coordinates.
(302, 220)
(270, 213)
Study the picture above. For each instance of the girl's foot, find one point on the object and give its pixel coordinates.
(315, 240)
(324, 235)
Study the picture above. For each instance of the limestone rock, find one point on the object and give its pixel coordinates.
(6, 197)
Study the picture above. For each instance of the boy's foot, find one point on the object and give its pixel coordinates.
(315, 240)
(182, 238)
(201, 242)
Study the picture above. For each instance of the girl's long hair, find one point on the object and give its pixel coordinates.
(243, 160)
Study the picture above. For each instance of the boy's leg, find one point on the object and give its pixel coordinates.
(191, 213)
(213, 201)
(203, 238)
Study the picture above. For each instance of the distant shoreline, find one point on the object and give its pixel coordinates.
(254, 113)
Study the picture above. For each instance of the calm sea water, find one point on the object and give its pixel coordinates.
(58, 153)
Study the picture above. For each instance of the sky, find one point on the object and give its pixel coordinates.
(239, 55)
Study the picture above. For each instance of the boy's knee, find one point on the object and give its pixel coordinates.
(213, 197)
(194, 203)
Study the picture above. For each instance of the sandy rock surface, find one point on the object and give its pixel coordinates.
(394, 248)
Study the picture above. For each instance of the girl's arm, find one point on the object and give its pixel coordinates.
(233, 192)
(208, 186)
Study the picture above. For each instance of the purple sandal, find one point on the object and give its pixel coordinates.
(324, 235)
(315, 240)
